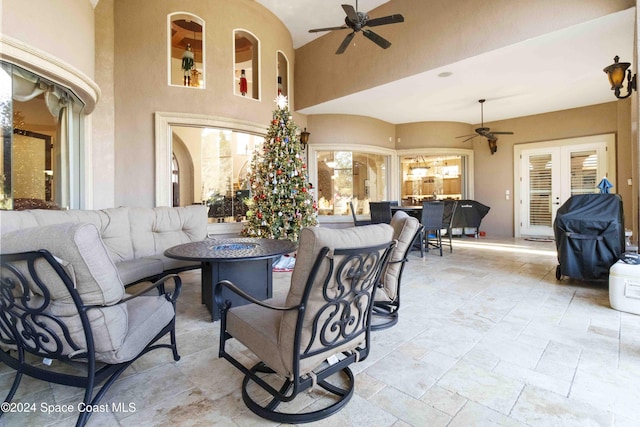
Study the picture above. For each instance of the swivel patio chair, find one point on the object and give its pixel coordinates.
(312, 335)
(380, 212)
(62, 302)
(406, 230)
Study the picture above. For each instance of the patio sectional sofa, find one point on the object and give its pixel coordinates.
(135, 238)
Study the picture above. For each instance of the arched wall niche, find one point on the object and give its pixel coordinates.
(282, 73)
(186, 50)
(246, 64)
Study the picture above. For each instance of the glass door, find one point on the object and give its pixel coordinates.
(541, 190)
(550, 175)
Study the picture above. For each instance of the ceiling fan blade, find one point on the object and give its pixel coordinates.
(467, 136)
(469, 139)
(377, 39)
(317, 30)
(351, 12)
(391, 19)
(502, 133)
(345, 43)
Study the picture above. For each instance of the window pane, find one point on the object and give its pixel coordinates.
(6, 114)
(219, 175)
(350, 176)
(540, 190)
(584, 170)
(42, 143)
(431, 178)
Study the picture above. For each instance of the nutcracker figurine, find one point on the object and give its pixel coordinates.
(243, 83)
(187, 65)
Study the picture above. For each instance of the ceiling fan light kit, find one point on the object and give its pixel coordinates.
(356, 21)
(492, 139)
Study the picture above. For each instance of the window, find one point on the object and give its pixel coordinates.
(432, 178)
(584, 171)
(350, 176)
(246, 60)
(221, 159)
(40, 164)
(186, 50)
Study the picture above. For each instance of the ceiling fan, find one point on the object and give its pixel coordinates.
(356, 21)
(486, 132)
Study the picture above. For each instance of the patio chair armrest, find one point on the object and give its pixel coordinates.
(405, 259)
(159, 284)
(225, 304)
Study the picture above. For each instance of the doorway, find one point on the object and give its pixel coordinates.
(548, 173)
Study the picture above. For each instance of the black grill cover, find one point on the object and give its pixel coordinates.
(589, 232)
(469, 213)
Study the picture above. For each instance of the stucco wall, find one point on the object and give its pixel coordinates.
(141, 79)
(36, 23)
(350, 129)
(433, 135)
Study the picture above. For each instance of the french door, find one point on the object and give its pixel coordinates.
(549, 175)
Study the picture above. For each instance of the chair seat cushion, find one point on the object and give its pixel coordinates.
(260, 327)
(148, 315)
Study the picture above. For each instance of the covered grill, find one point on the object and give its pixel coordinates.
(589, 232)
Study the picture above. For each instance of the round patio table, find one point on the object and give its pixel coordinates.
(245, 261)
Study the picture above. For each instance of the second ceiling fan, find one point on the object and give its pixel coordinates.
(485, 132)
(356, 21)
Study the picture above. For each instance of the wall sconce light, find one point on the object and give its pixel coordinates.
(616, 72)
(304, 138)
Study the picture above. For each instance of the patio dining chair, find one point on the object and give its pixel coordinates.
(380, 212)
(357, 222)
(432, 219)
(447, 221)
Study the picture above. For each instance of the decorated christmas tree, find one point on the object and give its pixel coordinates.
(281, 202)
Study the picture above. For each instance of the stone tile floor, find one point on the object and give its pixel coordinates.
(486, 336)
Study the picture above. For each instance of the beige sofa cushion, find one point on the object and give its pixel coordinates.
(155, 230)
(16, 220)
(135, 270)
(79, 244)
(404, 232)
(112, 224)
